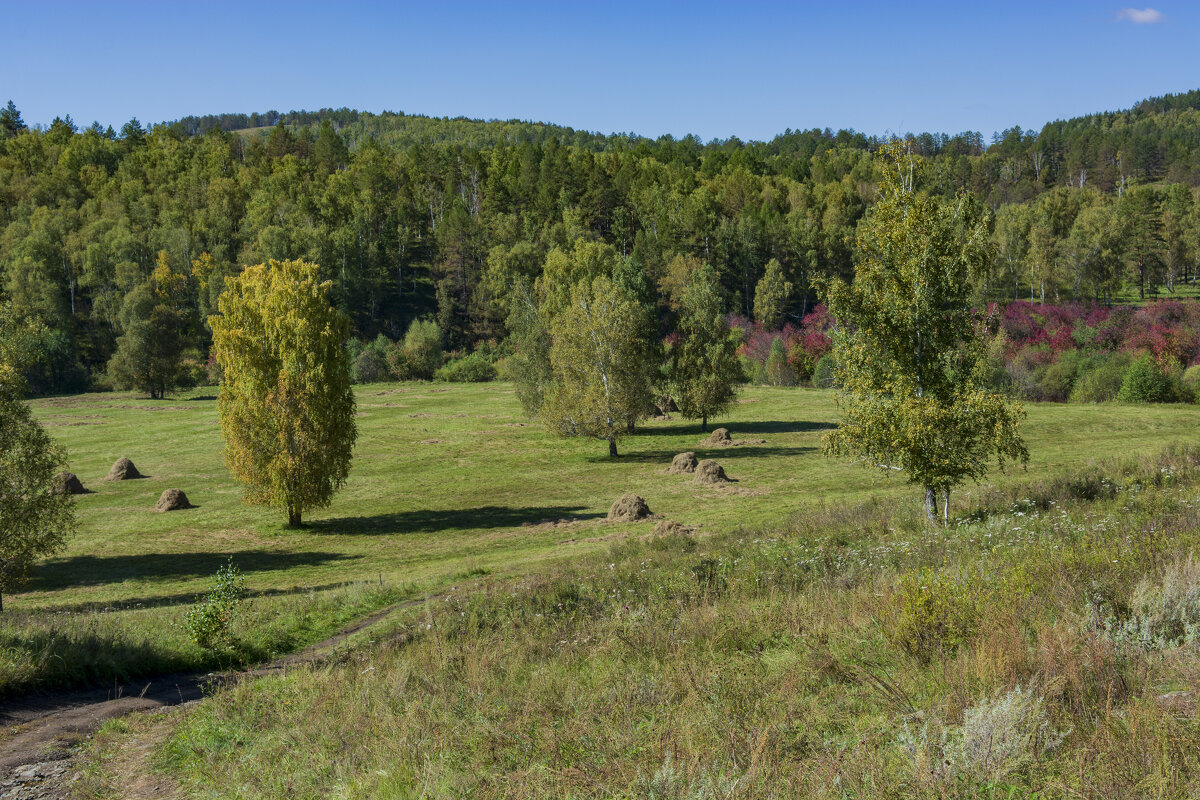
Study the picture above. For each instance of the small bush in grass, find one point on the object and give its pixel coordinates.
(1058, 379)
(473, 368)
(935, 615)
(997, 738)
(1145, 382)
(1000, 736)
(209, 622)
(1162, 614)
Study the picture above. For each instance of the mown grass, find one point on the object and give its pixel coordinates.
(848, 651)
(449, 483)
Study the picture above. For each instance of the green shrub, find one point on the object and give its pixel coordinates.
(420, 354)
(822, 376)
(473, 368)
(1058, 379)
(209, 622)
(1163, 613)
(1189, 383)
(370, 367)
(935, 615)
(1100, 379)
(1145, 382)
(754, 371)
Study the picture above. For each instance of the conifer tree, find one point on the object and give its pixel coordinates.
(286, 404)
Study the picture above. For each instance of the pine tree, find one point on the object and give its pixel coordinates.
(286, 404)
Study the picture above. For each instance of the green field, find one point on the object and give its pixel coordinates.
(816, 638)
(448, 483)
(447, 480)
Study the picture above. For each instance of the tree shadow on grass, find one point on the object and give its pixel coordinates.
(178, 599)
(737, 429)
(63, 573)
(429, 521)
(719, 453)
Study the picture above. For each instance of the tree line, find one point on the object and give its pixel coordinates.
(119, 240)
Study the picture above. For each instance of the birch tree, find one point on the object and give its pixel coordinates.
(602, 365)
(909, 351)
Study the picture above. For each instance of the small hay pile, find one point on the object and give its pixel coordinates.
(123, 470)
(669, 527)
(718, 438)
(629, 508)
(68, 483)
(710, 472)
(683, 464)
(172, 500)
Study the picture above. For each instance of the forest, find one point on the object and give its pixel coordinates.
(110, 236)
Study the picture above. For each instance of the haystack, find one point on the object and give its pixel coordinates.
(172, 500)
(68, 483)
(709, 471)
(666, 405)
(669, 527)
(123, 470)
(630, 508)
(684, 463)
(718, 438)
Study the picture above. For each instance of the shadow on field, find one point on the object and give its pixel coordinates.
(719, 453)
(460, 518)
(737, 429)
(96, 570)
(181, 598)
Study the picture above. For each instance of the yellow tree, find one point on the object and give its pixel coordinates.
(908, 347)
(286, 404)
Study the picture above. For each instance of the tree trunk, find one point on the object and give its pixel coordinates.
(704, 424)
(612, 447)
(946, 511)
(931, 504)
(293, 518)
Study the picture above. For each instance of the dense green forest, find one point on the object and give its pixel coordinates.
(107, 234)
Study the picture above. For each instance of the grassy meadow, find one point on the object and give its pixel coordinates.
(814, 638)
(449, 483)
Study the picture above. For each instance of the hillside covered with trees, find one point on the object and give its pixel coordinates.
(118, 243)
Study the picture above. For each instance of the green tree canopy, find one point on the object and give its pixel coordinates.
(286, 404)
(602, 370)
(771, 296)
(908, 349)
(150, 351)
(703, 369)
(35, 519)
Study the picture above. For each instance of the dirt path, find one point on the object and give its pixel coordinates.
(36, 757)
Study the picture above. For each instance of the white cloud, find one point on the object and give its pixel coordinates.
(1140, 16)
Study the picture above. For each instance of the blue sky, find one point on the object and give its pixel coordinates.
(749, 69)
